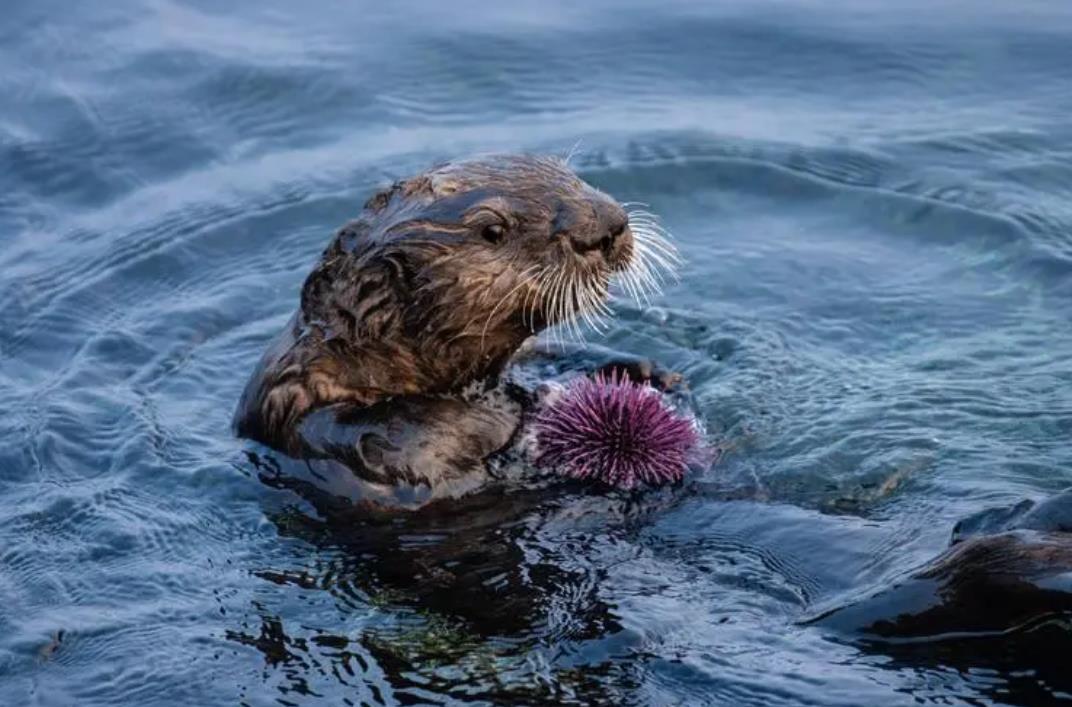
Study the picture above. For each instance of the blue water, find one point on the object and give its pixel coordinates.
(875, 202)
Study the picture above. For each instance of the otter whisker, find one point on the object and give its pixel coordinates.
(572, 151)
(557, 308)
(644, 214)
(573, 308)
(628, 282)
(540, 296)
(597, 313)
(552, 301)
(569, 308)
(592, 302)
(652, 226)
(663, 246)
(602, 308)
(643, 271)
(580, 307)
(586, 299)
(655, 232)
(639, 291)
(575, 301)
(667, 264)
(524, 280)
(598, 292)
(649, 221)
(655, 243)
(655, 258)
(548, 289)
(528, 312)
(638, 215)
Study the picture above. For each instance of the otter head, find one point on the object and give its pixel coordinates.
(447, 273)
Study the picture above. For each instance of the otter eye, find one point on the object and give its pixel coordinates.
(493, 233)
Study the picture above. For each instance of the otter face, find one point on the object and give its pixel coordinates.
(476, 256)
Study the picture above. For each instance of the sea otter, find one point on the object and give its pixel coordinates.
(386, 382)
(434, 287)
(1005, 569)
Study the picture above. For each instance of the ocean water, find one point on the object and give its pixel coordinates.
(875, 203)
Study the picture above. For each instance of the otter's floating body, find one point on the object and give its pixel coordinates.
(434, 286)
(615, 431)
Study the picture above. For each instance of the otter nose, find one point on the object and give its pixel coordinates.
(611, 222)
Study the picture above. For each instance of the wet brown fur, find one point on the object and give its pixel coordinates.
(420, 294)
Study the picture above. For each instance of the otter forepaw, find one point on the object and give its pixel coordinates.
(645, 371)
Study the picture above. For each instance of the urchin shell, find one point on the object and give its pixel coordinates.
(615, 431)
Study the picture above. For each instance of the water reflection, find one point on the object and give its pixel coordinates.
(995, 606)
(467, 596)
(875, 211)
(1023, 666)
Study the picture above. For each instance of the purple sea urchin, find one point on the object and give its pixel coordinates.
(616, 431)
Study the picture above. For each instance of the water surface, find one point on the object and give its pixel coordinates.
(875, 201)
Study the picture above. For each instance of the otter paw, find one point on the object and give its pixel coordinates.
(644, 371)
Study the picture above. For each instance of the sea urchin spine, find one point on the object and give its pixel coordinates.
(616, 431)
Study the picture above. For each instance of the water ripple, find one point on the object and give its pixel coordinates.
(873, 321)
